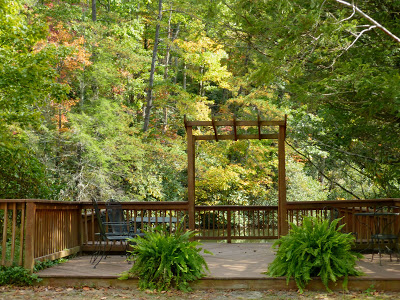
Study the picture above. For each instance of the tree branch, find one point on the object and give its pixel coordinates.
(365, 16)
(352, 14)
(352, 43)
(322, 173)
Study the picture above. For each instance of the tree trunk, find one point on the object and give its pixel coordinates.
(165, 124)
(201, 83)
(149, 97)
(167, 62)
(82, 91)
(184, 76)
(176, 70)
(168, 49)
(94, 10)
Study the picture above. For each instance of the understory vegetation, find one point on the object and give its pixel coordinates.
(17, 276)
(164, 260)
(93, 97)
(317, 248)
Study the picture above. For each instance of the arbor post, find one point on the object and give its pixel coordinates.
(191, 176)
(282, 209)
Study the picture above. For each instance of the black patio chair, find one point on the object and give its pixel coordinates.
(114, 230)
(117, 222)
(384, 234)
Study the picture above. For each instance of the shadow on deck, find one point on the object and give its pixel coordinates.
(233, 266)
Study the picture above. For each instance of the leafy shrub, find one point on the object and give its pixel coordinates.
(17, 276)
(317, 248)
(164, 260)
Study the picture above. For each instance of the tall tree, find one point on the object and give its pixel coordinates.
(149, 98)
(94, 11)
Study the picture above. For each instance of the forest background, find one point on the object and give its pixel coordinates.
(93, 94)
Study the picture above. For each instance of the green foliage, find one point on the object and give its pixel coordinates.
(41, 265)
(317, 248)
(164, 260)
(21, 173)
(301, 186)
(313, 60)
(27, 78)
(73, 91)
(17, 276)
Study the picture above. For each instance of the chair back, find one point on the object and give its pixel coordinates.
(99, 218)
(117, 222)
(385, 221)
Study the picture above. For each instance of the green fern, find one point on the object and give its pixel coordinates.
(315, 249)
(163, 261)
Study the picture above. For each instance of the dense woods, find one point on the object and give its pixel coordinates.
(93, 94)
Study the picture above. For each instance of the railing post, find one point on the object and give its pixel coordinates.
(5, 225)
(29, 251)
(80, 228)
(229, 226)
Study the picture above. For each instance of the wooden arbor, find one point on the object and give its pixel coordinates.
(280, 135)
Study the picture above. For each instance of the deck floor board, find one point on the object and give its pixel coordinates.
(241, 261)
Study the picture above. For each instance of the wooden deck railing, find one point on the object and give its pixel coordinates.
(41, 229)
(360, 226)
(12, 219)
(38, 229)
(236, 222)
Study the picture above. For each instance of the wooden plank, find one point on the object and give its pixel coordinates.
(191, 177)
(13, 231)
(215, 129)
(231, 123)
(59, 254)
(92, 227)
(57, 206)
(238, 207)
(30, 229)
(21, 235)
(4, 244)
(232, 137)
(81, 235)
(143, 205)
(339, 204)
(229, 226)
(41, 235)
(261, 237)
(234, 129)
(356, 284)
(282, 209)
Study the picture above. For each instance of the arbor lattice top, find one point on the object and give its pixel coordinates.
(235, 124)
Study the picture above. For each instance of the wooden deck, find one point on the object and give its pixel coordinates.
(233, 266)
